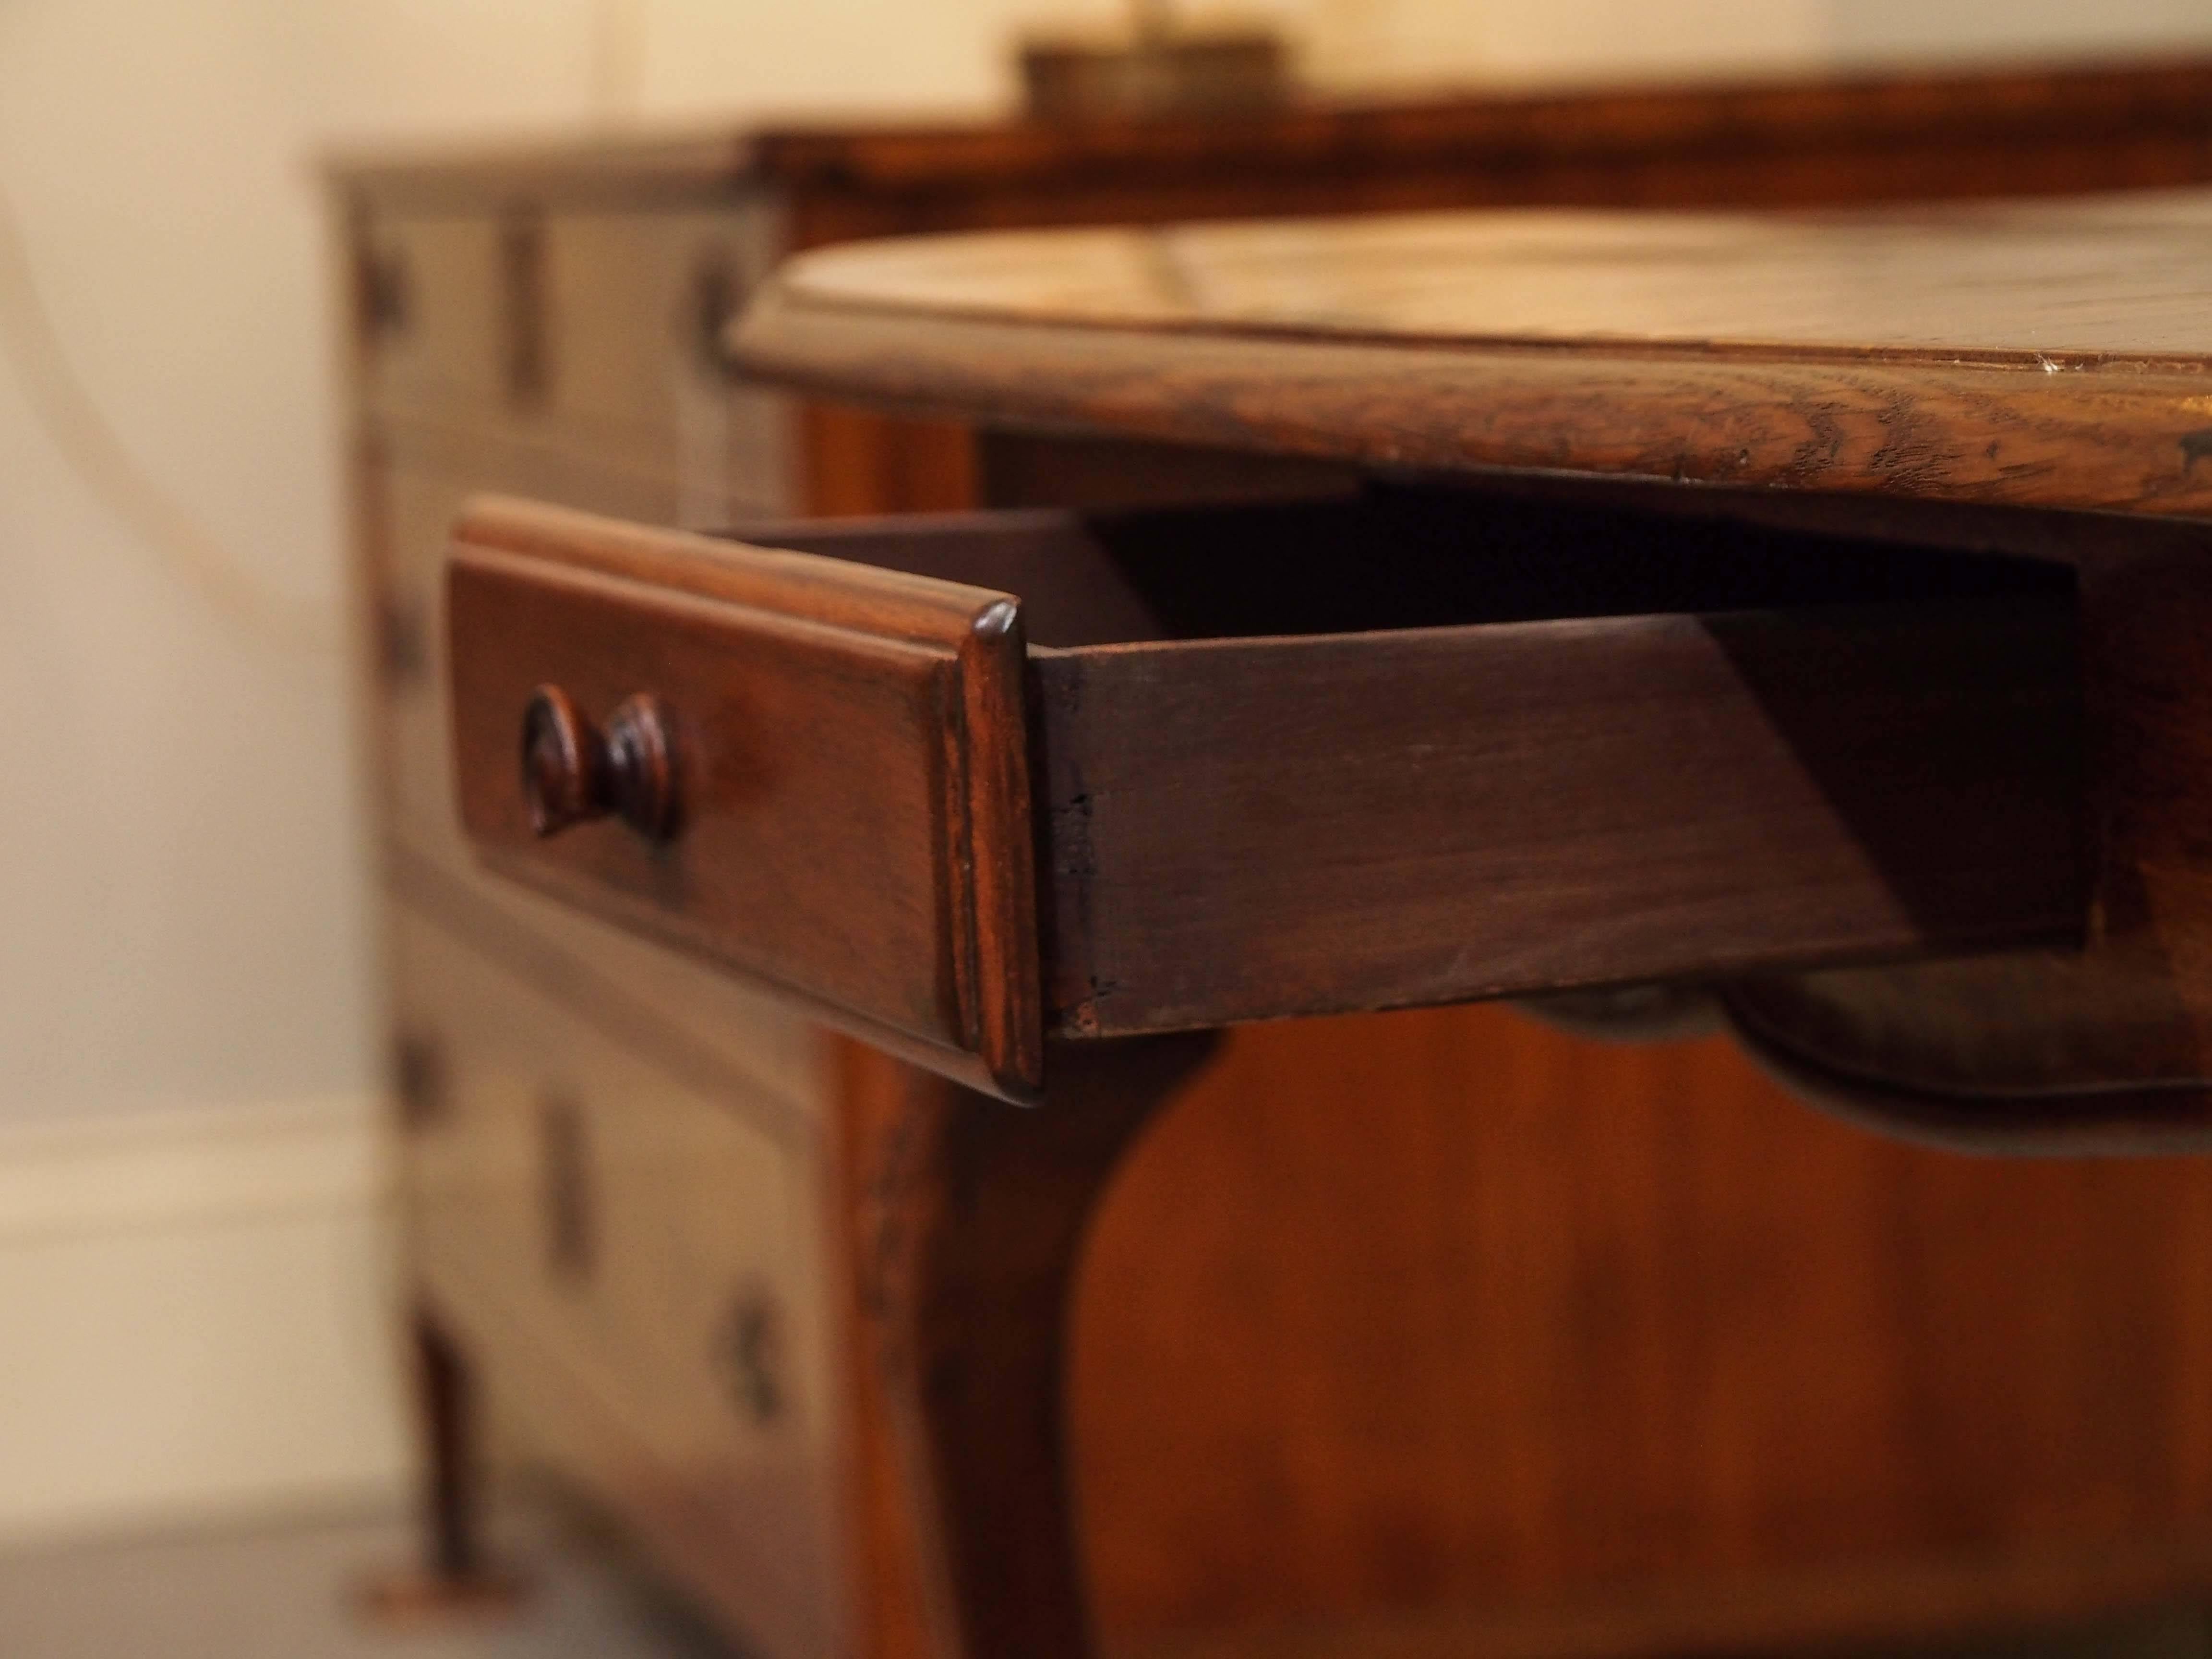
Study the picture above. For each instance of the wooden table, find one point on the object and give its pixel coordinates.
(1807, 609)
(1577, 1423)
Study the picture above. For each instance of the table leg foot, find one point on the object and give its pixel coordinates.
(455, 1581)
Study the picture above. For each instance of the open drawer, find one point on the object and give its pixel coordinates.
(962, 784)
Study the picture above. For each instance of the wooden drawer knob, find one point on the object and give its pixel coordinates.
(573, 772)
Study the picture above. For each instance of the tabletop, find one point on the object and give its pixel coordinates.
(2054, 353)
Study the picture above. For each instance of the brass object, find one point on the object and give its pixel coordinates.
(1158, 69)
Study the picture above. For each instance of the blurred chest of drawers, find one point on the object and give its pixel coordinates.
(622, 1182)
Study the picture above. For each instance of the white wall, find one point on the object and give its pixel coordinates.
(1360, 42)
(197, 1316)
(176, 855)
(1937, 29)
(182, 897)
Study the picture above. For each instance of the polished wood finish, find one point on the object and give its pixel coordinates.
(1649, 1358)
(2055, 284)
(967, 1222)
(2099, 1050)
(853, 757)
(2051, 356)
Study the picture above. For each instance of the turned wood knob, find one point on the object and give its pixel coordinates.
(573, 772)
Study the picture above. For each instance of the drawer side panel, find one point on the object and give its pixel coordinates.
(1247, 830)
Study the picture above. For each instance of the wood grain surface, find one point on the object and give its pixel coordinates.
(1868, 365)
(851, 758)
(1441, 1333)
(1247, 830)
(1410, 746)
(2050, 355)
(966, 1224)
(1425, 745)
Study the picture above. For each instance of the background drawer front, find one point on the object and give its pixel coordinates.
(432, 290)
(635, 1259)
(638, 302)
(593, 339)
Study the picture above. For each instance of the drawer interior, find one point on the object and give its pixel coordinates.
(1389, 558)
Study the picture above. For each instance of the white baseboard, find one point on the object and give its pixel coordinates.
(196, 1318)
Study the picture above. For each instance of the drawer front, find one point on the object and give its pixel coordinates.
(842, 788)
(635, 1261)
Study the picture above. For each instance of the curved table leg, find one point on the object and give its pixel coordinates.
(971, 1215)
